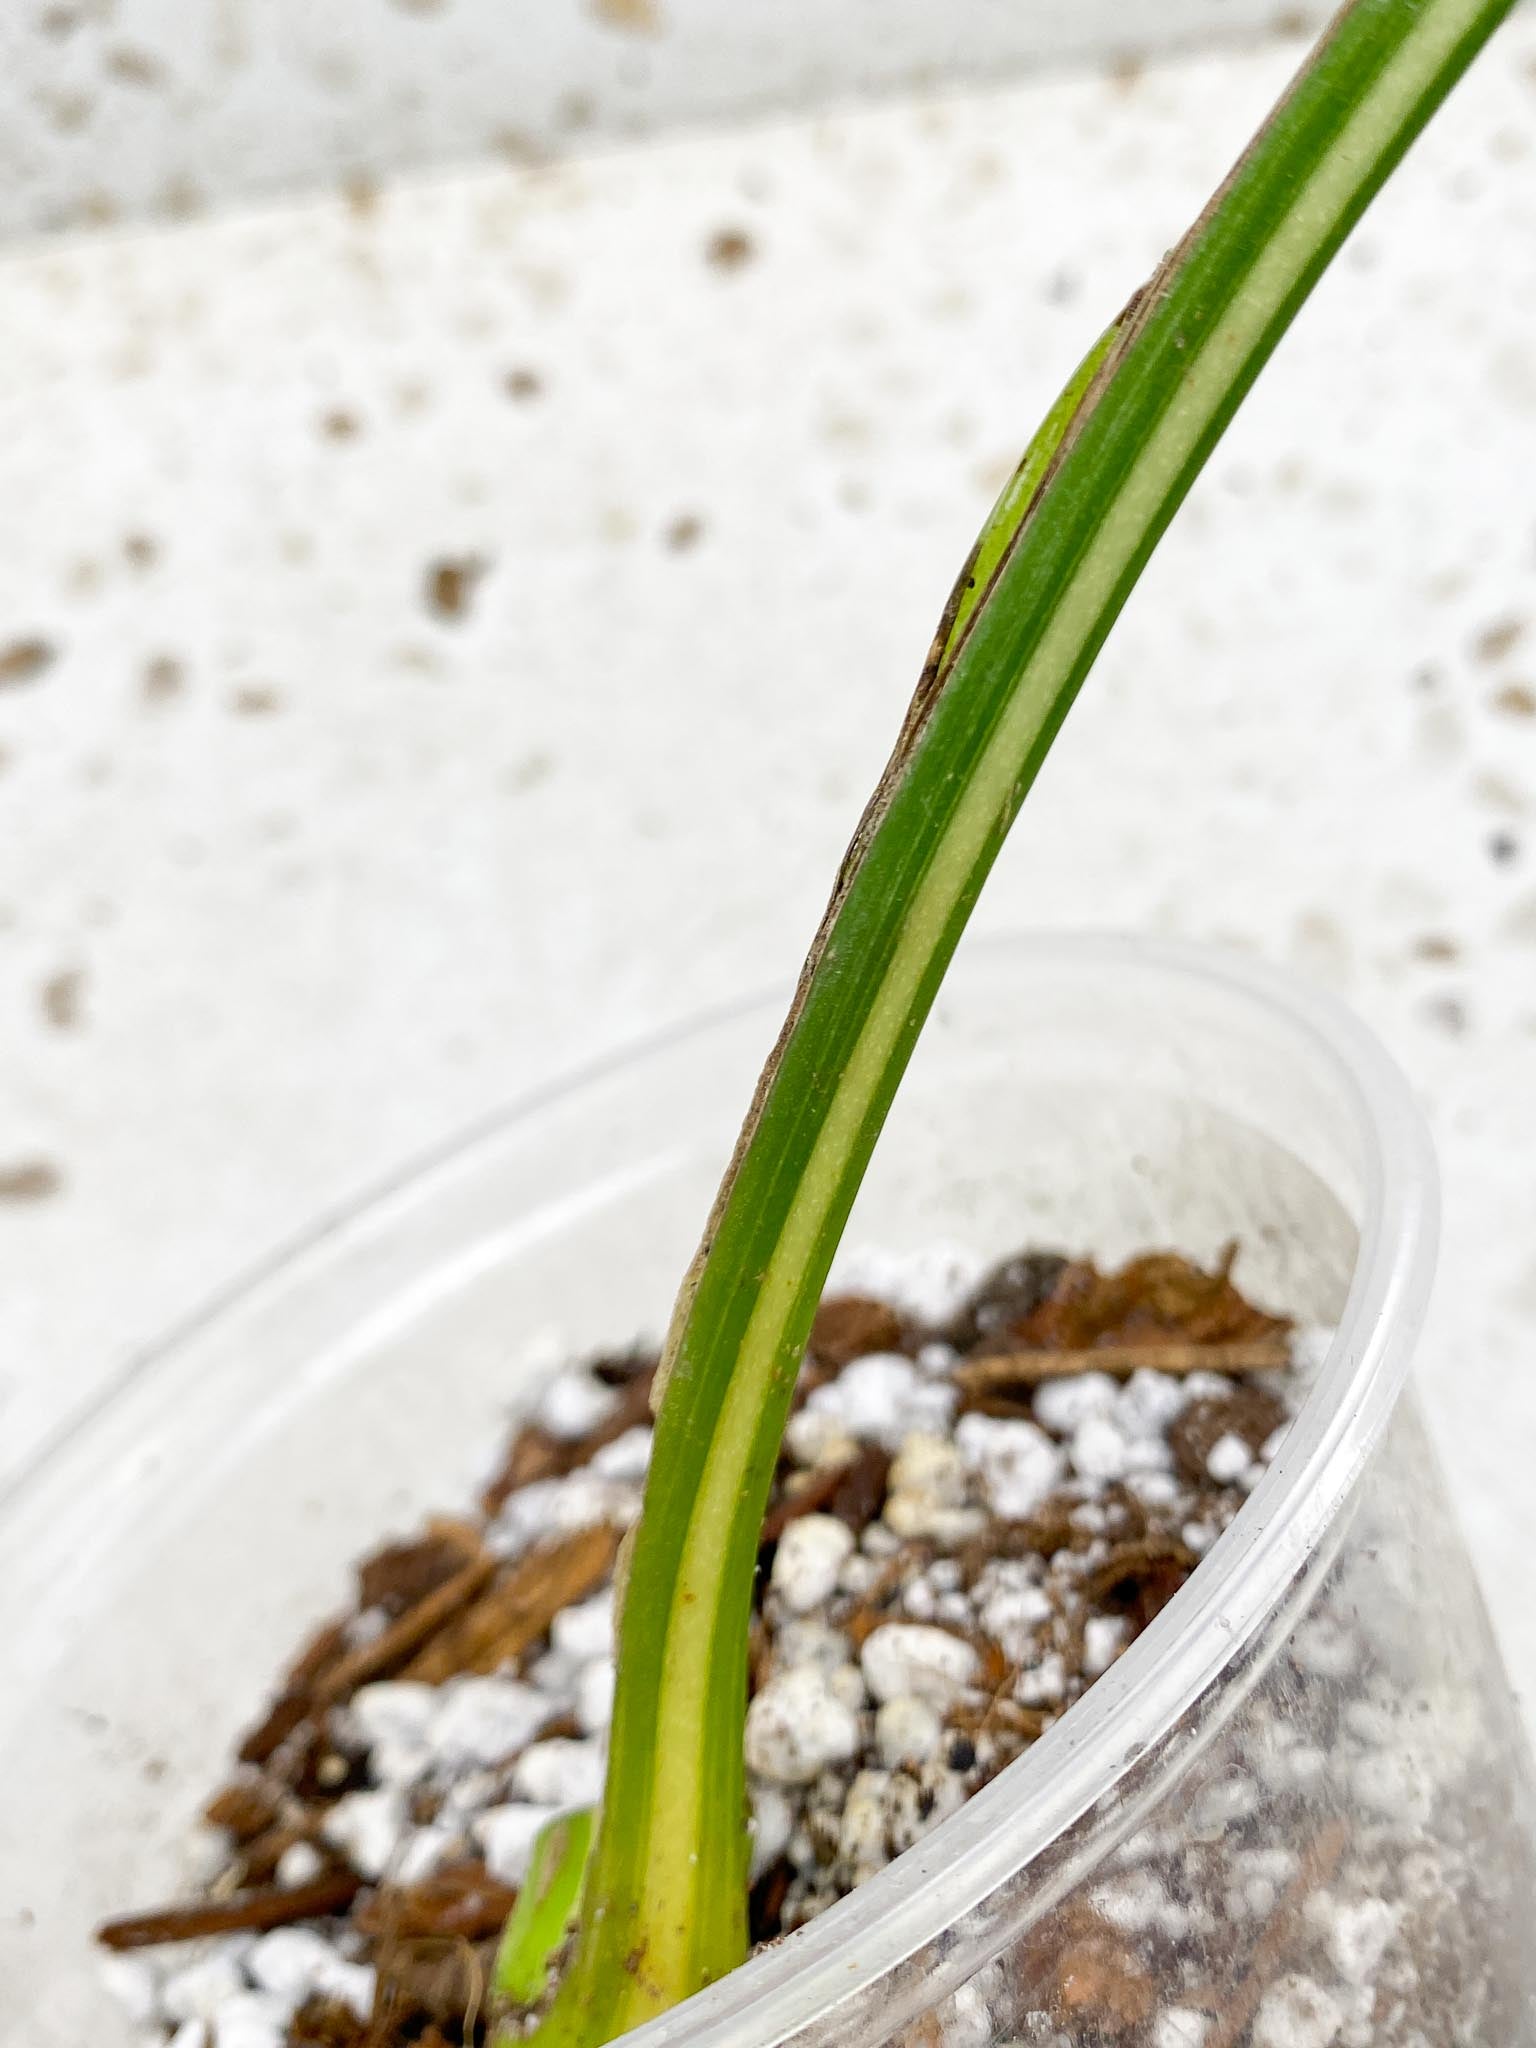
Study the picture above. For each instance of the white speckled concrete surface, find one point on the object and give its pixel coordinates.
(121, 109)
(297, 873)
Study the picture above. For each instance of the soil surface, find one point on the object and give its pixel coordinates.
(975, 1513)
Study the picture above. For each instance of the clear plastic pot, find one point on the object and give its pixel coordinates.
(1317, 1724)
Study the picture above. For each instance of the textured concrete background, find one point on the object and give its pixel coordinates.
(120, 109)
(447, 631)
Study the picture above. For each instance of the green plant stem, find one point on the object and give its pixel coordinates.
(546, 1905)
(664, 1907)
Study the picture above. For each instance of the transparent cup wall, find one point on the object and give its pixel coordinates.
(1335, 1846)
(1295, 1813)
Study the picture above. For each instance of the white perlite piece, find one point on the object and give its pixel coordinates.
(484, 1720)
(1148, 1403)
(809, 1557)
(366, 1827)
(1099, 1451)
(135, 1983)
(910, 1658)
(472, 1793)
(1310, 1345)
(814, 1438)
(505, 1837)
(1019, 1464)
(293, 1963)
(1323, 1649)
(1219, 1805)
(393, 1711)
(1063, 1406)
(1296, 2012)
(554, 1674)
(586, 1630)
(1045, 1685)
(627, 1457)
(288, 1961)
(928, 1492)
(190, 2034)
(1135, 1903)
(797, 1726)
(847, 1685)
(424, 1851)
(559, 1507)
(204, 1853)
(1180, 2026)
(1395, 1784)
(858, 1574)
(967, 2020)
(1293, 1766)
(907, 1731)
(400, 1764)
(574, 1402)
(861, 1840)
(560, 1773)
(1104, 1637)
(594, 1695)
(811, 1642)
(197, 1991)
(251, 2019)
(1011, 1607)
(1359, 1933)
(1228, 1459)
(883, 1398)
(932, 1284)
(773, 1822)
(300, 1863)
(1156, 1489)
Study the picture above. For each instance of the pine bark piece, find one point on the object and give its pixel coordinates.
(257, 1861)
(516, 1611)
(245, 1808)
(399, 1576)
(291, 1708)
(853, 1491)
(253, 1912)
(428, 1982)
(1128, 1564)
(534, 1453)
(322, 2022)
(1099, 1982)
(1005, 1374)
(462, 1903)
(999, 1714)
(1252, 1414)
(860, 1492)
(850, 1326)
(403, 1638)
(1156, 1298)
(1003, 1298)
